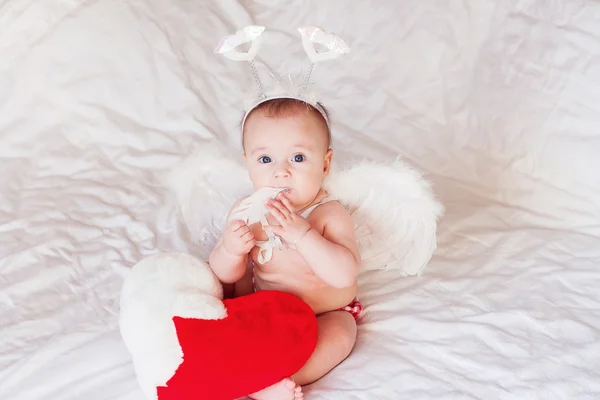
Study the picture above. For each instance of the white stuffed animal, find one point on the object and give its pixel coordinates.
(157, 289)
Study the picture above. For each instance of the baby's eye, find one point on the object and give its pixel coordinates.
(299, 158)
(264, 160)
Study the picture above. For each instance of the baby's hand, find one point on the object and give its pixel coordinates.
(238, 240)
(292, 227)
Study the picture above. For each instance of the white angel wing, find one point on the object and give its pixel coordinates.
(394, 209)
(395, 214)
(205, 186)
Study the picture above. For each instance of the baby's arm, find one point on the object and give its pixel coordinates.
(229, 258)
(333, 256)
(228, 267)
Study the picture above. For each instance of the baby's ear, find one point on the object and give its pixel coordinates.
(327, 163)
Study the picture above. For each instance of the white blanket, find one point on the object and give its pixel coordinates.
(497, 102)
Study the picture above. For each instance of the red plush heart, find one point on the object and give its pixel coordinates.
(266, 337)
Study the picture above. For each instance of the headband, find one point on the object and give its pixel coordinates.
(283, 88)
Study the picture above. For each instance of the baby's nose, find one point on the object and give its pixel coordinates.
(283, 170)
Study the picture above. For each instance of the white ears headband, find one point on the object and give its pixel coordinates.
(311, 36)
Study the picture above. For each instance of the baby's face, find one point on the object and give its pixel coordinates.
(289, 152)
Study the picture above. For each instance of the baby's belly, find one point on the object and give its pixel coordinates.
(288, 272)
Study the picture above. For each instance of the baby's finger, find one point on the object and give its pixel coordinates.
(237, 224)
(242, 230)
(276, 213)
(281, 207)
(288, 204)
(247, 236)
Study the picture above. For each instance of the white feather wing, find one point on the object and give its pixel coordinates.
(393, 206)
(395, 214)
(205, 186)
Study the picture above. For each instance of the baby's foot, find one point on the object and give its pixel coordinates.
(283, 390)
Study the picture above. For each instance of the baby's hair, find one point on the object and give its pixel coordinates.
(285, 107)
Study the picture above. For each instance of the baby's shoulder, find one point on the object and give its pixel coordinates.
(331, 209)
(333, 220)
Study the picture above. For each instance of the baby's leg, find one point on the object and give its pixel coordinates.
(337, 335)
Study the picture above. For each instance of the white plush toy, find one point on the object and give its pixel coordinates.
(155, 290)
(187, 343)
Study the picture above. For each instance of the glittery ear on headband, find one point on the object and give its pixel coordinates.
(313, 35)
(228, 47)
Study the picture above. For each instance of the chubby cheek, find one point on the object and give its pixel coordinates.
(310, 185)
(259, 177)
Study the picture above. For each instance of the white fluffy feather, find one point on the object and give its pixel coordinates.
(205, 186)
(393, 206)
(395, 214)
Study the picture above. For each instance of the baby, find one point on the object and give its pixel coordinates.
(286, 144)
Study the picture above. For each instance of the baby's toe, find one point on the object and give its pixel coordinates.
(290, 384)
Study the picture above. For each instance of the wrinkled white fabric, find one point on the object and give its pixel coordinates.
(498, 102)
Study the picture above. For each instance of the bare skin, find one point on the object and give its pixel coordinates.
(285, 389)
(323, 267)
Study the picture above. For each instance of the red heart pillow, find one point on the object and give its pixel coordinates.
(266, 337)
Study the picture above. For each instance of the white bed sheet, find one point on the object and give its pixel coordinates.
(498, 102)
